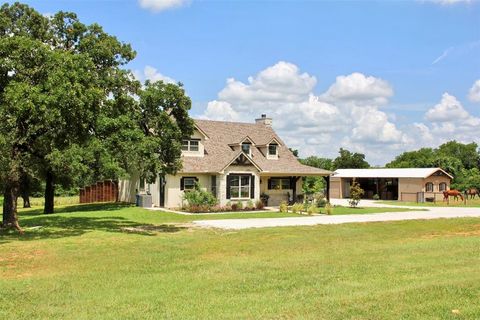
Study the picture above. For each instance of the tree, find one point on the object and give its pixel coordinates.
(467, 154)
(349, 160)
(356, 193)
(66, 106)
(422, 158)
(316, 184)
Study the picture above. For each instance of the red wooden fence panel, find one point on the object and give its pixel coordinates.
(102, 191)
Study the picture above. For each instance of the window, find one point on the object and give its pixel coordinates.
(429, 187)
(190, 145)
(272, 149)
(279, 184)
(442, 186)
(240, 187)
(189, 183)
(246, 147)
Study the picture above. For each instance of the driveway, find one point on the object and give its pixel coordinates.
(432, 213)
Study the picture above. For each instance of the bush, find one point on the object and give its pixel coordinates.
(259, 205)
(328, 209)
(199, 199)
(376, 197)
(250, 205)
(283, 207)
(356, 193)
(297, 208)
(234, 206)
(239, 205)
(311, 209)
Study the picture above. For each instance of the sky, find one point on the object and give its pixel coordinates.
(377, 77)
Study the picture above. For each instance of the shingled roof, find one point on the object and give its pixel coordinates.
(218, 153)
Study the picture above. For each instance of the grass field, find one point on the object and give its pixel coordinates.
(109, 261)
(470, 203)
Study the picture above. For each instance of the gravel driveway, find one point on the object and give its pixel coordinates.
(432, 213)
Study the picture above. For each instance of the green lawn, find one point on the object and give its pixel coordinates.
(82, 264)
(470, 203)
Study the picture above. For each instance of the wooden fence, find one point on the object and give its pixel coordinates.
(105, 191)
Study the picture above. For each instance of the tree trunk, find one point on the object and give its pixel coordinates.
(10, 219)
(25, 190)
(49, 192)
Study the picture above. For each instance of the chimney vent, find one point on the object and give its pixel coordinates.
(264, 120)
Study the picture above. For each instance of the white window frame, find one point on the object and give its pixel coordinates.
(189, 145)
(192, 187)
(281, 184)
(249, 153)
(276, 149)
(240, 186)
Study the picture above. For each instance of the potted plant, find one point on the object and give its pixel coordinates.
(264, 197)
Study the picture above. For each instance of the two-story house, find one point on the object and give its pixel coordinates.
(235, 161)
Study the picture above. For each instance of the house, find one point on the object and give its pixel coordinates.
(406, 184)
(233, 160)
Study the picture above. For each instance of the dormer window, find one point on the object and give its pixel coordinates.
(191, 145)
(247, 148)
(273, 150)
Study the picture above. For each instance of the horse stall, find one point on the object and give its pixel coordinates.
(385, 188)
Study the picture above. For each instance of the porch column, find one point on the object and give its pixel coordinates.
(327, 180)
(293, 181)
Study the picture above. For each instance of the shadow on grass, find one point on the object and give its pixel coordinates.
(43, 226)
(78, 208)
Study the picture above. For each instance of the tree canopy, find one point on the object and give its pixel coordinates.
(460, 160)
(70, 113)
(350, 160)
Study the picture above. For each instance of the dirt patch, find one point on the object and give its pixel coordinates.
(11, 264)
(163, 228)
(469, 233)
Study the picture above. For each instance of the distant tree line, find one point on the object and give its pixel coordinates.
(71, 114)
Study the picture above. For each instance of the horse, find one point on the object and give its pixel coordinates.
(472, 192)
(452, 193)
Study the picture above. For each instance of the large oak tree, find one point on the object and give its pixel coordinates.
(69, 112)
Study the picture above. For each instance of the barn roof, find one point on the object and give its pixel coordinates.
(388, 173)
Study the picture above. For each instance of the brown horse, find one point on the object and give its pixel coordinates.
(452, 193)
(472, 192)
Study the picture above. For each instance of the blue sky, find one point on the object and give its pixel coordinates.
(398, 59)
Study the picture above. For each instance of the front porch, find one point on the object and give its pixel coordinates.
(280, 188)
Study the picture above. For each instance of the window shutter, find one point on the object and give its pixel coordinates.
(229, 182)
(182, 183)
(269, 184)
(252, 187)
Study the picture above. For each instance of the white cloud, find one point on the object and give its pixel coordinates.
(347, 115)
(448, 109)
(443, 55)
(220, 110)
(152, 74)
(358, 87)
(450, 2)
(447, 120)
(474, 93)
(161, 5)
